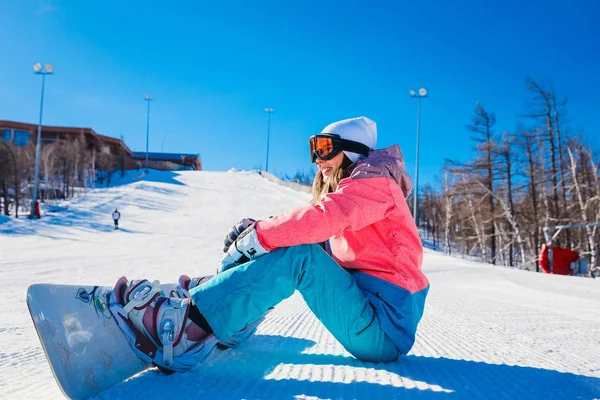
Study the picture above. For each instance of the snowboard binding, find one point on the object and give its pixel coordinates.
(157, 327)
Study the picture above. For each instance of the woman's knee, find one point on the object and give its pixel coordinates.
(374, 345)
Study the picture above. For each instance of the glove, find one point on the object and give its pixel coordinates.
(245, 248)
(235, 231)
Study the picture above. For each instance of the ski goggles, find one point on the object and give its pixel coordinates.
(325, 146)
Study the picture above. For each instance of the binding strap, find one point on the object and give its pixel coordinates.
(141, 295)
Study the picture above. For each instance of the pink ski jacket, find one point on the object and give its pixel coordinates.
(366, 220)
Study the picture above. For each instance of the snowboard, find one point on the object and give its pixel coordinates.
(86, 349)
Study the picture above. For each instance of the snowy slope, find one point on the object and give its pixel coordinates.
(487, 333)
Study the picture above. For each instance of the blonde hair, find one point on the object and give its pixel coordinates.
(322, 186)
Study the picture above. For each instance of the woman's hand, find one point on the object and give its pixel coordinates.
(235, 231)
(245, 247)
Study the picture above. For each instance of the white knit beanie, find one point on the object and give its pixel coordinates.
(360, 129)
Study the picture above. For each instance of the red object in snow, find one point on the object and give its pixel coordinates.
(561, 260)
(37, 212)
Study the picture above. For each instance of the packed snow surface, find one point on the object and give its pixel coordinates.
(487, 332)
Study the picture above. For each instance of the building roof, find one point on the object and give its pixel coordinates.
(65, 130)
(46, 128)
(116, 141)
(164, 156)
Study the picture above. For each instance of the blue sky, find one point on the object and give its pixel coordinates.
(214, 67)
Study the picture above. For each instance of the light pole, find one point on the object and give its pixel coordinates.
(48, 69)
(148, 98)
(422, 93)
(268, 111)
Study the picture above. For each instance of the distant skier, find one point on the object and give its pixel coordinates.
(116, 215)
(364, 282)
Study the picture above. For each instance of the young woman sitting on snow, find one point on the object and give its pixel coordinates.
(354, 255)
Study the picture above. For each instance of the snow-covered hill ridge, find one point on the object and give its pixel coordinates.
(487, 332)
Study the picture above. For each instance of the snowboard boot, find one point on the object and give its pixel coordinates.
(185, 284)
(159, 328)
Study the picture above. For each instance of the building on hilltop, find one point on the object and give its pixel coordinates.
(22, 134)
(169, 161)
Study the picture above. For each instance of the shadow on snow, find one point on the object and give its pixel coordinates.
(75, 213)
(241, 372)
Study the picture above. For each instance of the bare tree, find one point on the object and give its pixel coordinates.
(448, 215)
(18, 170)
(583, 208)
(474, 220)
(302, 177)
(559, 113)
(482, 126)
(511, 218)
(107, 164)
(541, 107)
(6, 167)
(529, 144)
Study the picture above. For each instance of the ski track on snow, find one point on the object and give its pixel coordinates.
(487, 332)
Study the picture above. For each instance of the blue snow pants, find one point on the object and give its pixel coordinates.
(240, 296)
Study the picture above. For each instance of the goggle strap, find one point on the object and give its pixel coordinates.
(354, 147)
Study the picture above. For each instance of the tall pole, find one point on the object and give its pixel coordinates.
(422, 93)
(37, 68)
(122, 157)
(416, 199)
(268, 111)
(148, 98)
